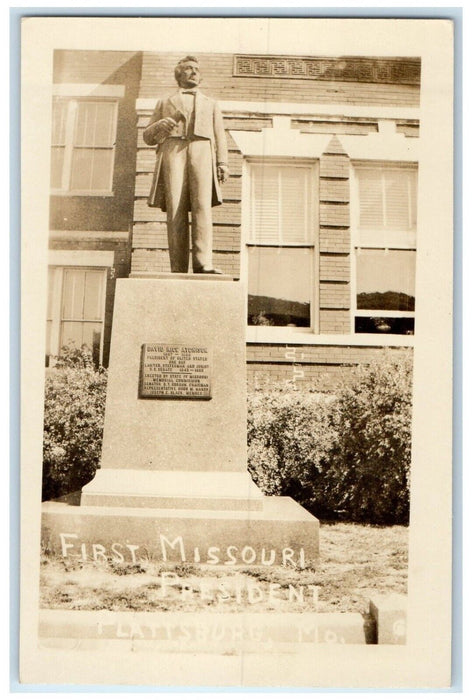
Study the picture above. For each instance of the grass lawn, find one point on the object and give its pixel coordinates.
(356, 562)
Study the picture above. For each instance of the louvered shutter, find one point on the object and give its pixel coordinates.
(280, 204)
(370, 199)
(397, 206)
(387, 203)
(294, 204)
(265, 204)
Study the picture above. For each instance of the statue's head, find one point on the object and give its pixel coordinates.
(187, 72)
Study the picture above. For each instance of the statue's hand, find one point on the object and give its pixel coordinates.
(164, 127)
(223, 172)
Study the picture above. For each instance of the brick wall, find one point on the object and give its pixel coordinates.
(320, 366)
(219, 82)
(334, 292)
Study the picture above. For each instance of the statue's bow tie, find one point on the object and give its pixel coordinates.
(189, 92)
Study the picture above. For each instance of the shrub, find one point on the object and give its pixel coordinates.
(73, 422)
(346, 456)
(290, 438)
(369, 471)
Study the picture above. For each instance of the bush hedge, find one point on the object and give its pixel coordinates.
(73, 422)
(368, 473)
(346, 456)
(290, 438)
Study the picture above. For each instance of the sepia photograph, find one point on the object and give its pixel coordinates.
(236, 366)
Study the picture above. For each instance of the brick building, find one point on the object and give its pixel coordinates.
(319, 214)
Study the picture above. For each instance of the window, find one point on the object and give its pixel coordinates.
(83, 145)
(280, 244)
(384, 236)
(75, 310)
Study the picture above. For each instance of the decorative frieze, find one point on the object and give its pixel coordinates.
(403, 71)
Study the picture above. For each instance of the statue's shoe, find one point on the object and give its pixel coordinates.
(207, 271)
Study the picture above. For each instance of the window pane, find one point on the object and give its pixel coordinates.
(82, 295)
(81, 319)
(82, 164)
(91, 169)
(73, 294)
(280, 286)
(101, 170)
(94, 124)
(386, 279)
(397, 326)
(85, 124)
(71, 333)
(93, 295)
(91, 334)
(57, 162)
(81, 334)
(104, 123)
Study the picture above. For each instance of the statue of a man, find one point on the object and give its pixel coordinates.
(191, 162)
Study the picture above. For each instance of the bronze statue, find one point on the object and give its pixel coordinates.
(191, 162)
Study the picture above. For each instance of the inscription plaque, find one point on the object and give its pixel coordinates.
(175, 372)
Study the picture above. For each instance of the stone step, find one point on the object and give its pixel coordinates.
(201, 632)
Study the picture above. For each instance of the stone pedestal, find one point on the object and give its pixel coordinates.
(173, 482)
(177, 434)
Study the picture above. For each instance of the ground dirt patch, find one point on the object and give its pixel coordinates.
(356, 563)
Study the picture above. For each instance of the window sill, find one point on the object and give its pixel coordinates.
(384, 313)
(278, 244)
(376, 245)
(300, 336)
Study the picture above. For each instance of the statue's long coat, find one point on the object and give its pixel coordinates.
(208, 124)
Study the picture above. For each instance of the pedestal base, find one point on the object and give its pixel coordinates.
(172, 489)
(281, 533)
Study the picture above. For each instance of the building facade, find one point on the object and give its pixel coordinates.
(319, 213)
